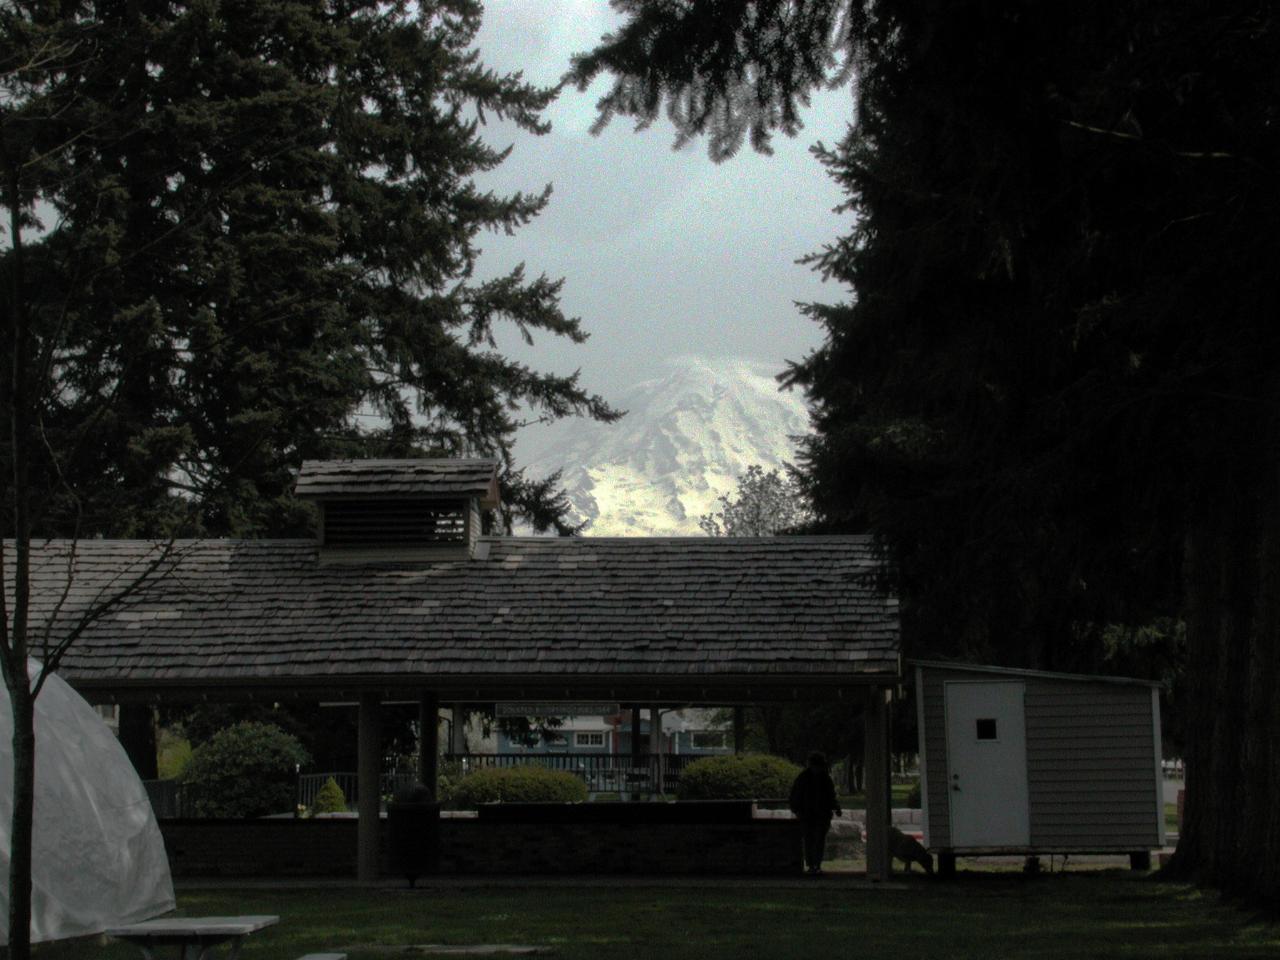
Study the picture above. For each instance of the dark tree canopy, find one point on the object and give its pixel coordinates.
(731, 69)
(1053, 389)
(238, 234)
(1061, 324)
(262, 224)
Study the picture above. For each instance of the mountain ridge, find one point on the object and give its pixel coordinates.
(688, 435)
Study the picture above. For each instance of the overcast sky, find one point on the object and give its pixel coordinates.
(663, 252)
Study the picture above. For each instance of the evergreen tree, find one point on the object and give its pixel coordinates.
(263, 230)
(259, 226)
(1053, 389)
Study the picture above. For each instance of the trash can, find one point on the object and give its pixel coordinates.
(413, 834)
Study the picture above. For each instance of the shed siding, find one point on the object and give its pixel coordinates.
(1090, 765)
(1090, 762)
(937, 776)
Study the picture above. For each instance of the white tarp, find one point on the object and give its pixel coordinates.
(98, 857)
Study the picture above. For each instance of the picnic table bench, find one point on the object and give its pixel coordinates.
(194, 937)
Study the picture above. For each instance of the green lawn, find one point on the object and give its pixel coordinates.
(980, 916)
(898, 796)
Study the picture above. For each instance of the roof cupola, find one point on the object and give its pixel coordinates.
(399, 509)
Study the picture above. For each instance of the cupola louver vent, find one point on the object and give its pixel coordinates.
(398, 509)
(395, 523)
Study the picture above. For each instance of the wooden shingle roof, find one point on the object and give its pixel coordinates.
(329, 479)
(579, 615)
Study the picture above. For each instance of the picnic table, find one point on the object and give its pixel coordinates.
(194, 937)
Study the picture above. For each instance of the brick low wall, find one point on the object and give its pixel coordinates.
(260, 848)
(760, 847)
(327, 848)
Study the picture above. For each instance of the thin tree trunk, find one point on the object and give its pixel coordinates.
(15, 659)
(22, 824)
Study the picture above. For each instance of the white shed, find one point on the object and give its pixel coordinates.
(1028, 762)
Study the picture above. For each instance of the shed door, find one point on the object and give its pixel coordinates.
(987, 761)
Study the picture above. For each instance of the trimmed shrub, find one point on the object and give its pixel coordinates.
(524, 784)
(448, 777)
(173, 753)
(247, 770)
(329, 799)
(748, 776)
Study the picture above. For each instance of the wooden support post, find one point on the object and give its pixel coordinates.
(368, 786)
(879, 814)
(739, 729)
(138, 737)
(458, 730)
(636, 752)
(429, 740)
(655, 749)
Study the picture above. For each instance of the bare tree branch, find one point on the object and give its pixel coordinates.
(53, 652)
(1189, 154)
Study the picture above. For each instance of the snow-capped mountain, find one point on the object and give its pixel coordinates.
(687, 437)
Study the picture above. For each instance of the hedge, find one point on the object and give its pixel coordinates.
(750, 776)
(524, 784)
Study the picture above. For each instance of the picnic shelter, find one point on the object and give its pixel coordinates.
(401, 595)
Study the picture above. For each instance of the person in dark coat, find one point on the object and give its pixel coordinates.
(813, 801)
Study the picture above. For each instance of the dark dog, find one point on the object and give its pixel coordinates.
(909, 850)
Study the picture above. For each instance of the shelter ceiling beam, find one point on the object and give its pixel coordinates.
(665, 691)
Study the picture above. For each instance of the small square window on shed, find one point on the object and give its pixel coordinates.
(987, 728)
